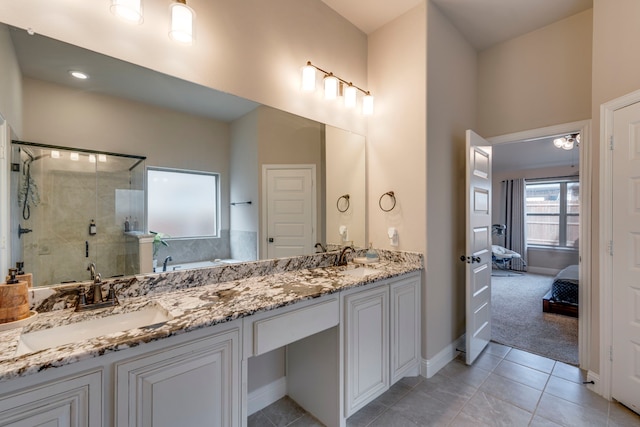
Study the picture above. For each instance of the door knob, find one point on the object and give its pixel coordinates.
(270, 240)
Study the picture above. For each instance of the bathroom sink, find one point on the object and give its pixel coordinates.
(359, 272)
(80, 331)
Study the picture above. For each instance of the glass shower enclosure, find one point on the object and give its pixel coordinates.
(71, 208)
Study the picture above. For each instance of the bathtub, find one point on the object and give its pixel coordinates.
(199, 264)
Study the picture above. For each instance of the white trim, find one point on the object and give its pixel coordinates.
(5, 195)
(264, 396)
(606, 234)
(430, 367)
(584, 127)
(595, 387)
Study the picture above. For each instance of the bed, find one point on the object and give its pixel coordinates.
(562, 298)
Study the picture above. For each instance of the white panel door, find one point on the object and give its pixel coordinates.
(625, 385)
(478, 245)
(290, 210)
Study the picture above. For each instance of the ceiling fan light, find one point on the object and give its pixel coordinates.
(129, 10)
(568, 145)
(559, 142)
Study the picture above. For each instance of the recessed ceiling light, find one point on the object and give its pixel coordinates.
(79, 75)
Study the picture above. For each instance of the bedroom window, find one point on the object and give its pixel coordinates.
(552, 213)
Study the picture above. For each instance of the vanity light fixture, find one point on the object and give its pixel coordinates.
(182, 22)
(335, 86)
(567, 142)
(330, 86)
(129, 10)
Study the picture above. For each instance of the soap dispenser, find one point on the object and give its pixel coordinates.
(372, 255)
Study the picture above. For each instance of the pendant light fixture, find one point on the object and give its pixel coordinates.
(129, 10)
(335, 86)
(182, 22)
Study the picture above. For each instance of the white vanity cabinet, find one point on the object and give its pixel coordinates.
(381, 338)
(405, 327)
(196, 383)
(74, 400)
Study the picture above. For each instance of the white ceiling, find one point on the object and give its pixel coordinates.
(482, 22)
(536, 154)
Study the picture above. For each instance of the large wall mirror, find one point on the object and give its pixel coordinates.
(285, 182)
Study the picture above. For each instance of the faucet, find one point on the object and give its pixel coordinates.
(342, 259)
(321, 247)
(92, 270)
(97, 288)
(166, 260)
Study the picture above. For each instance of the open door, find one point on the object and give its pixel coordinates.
(478, 245)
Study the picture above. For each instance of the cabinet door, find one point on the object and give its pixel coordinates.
(71, 401)
(366, 347)
(405, 328)
(195, 384)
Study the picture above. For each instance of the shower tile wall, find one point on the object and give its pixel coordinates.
(244, 245)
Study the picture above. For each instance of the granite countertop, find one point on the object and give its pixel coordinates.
(191, 308)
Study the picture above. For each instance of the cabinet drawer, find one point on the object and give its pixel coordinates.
(283, 329)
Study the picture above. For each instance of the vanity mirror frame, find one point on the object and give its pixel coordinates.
(331, 229)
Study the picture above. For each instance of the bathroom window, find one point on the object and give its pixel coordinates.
(553, 213)
(183, 203)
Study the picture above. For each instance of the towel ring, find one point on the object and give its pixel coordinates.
(346, 198)
(393, 198)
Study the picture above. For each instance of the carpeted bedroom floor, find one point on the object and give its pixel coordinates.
(518, 320)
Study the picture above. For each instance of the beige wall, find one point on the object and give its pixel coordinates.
(451, 110)
(397, 131)
(57, 115)
(251, 48)
(539, 79)
(10, 83)
(616, 72)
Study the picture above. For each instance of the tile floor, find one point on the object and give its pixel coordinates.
(505, 387)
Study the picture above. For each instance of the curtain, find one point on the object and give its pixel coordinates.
(514, 205)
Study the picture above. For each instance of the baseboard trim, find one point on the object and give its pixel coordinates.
(266, 395)
(543, 270)
(595, 387)
(430, 367)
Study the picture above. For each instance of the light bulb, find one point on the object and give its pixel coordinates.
(55, 154)
(74, 156)
(308, 78)
(102, 158)
(129, 10)
(350, 92)
(568, 145)
(559, 142)
(182, 22)
(330, 87)
(92, 158)
(79, 75)
(367, 104)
